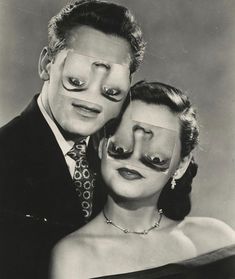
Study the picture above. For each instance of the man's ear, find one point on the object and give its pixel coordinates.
(44, 64)
(183, 166)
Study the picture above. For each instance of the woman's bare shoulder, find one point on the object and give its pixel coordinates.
(207, 233)
(68, 255)
(68, 244)
(65, 258)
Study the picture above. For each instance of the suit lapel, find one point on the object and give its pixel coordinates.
(52, 189)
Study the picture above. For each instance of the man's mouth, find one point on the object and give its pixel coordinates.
(89, 111)
(129, 174)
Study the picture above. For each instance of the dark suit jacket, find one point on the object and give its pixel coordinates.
(38, 203)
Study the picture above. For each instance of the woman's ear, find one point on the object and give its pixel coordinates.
(183, 166)
(44, 64)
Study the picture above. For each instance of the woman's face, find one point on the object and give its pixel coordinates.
(144, 152)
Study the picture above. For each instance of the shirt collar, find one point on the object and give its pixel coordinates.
(64, 145)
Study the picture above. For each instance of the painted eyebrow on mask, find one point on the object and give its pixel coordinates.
(103, 64)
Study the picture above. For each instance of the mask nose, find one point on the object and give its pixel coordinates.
(142, 134)
(97, 80)
(138, 143)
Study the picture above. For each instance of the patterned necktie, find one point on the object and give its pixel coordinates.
(83, 178)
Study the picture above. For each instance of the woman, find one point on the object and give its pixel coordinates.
(148, 167)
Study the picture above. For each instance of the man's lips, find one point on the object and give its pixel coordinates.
(87, 110)
(129, 174)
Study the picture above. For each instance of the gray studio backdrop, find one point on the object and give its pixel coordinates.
(190, 45)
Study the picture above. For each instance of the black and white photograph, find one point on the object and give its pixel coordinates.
(117, 139)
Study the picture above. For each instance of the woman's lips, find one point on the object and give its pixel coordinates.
(129, 174)
(87, 111)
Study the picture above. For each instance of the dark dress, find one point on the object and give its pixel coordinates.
(38, 203)
(219, 264)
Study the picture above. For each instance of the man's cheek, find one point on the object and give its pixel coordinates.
(112, 110)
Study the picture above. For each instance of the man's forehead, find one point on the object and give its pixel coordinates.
(91, 42)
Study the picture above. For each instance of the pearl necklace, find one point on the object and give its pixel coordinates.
(146, 231)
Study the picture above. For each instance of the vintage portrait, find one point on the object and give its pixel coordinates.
(117, 139)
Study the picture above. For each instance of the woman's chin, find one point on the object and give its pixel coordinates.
(122, 195)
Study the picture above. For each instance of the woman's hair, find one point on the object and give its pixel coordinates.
(175, 203)
(104, 16)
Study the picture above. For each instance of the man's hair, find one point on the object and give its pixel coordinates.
(109, 18)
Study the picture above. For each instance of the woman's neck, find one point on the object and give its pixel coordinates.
(131, 215)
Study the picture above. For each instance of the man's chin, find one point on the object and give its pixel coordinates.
(74, 133)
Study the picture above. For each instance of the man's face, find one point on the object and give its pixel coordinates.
(89, 81)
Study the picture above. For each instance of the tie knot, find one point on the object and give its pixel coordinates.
(77, 151)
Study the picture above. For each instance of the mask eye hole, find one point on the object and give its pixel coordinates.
(111, 91)
(73, 84)
(76, 82)
(113, 94)
(155, 163)
(117, 151)
(156, 160)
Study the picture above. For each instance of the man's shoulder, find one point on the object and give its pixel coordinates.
(23, 127)
(19, 123)
(20, 133)
(10, 127)
(10, 136)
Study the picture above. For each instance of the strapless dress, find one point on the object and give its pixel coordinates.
(218, 264)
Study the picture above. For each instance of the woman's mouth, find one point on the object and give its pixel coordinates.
(129, 174)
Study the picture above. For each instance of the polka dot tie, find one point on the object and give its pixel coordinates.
(83, 178)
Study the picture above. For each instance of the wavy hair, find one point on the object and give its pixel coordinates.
(104, 16)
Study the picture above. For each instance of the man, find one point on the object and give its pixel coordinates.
(94, 47)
